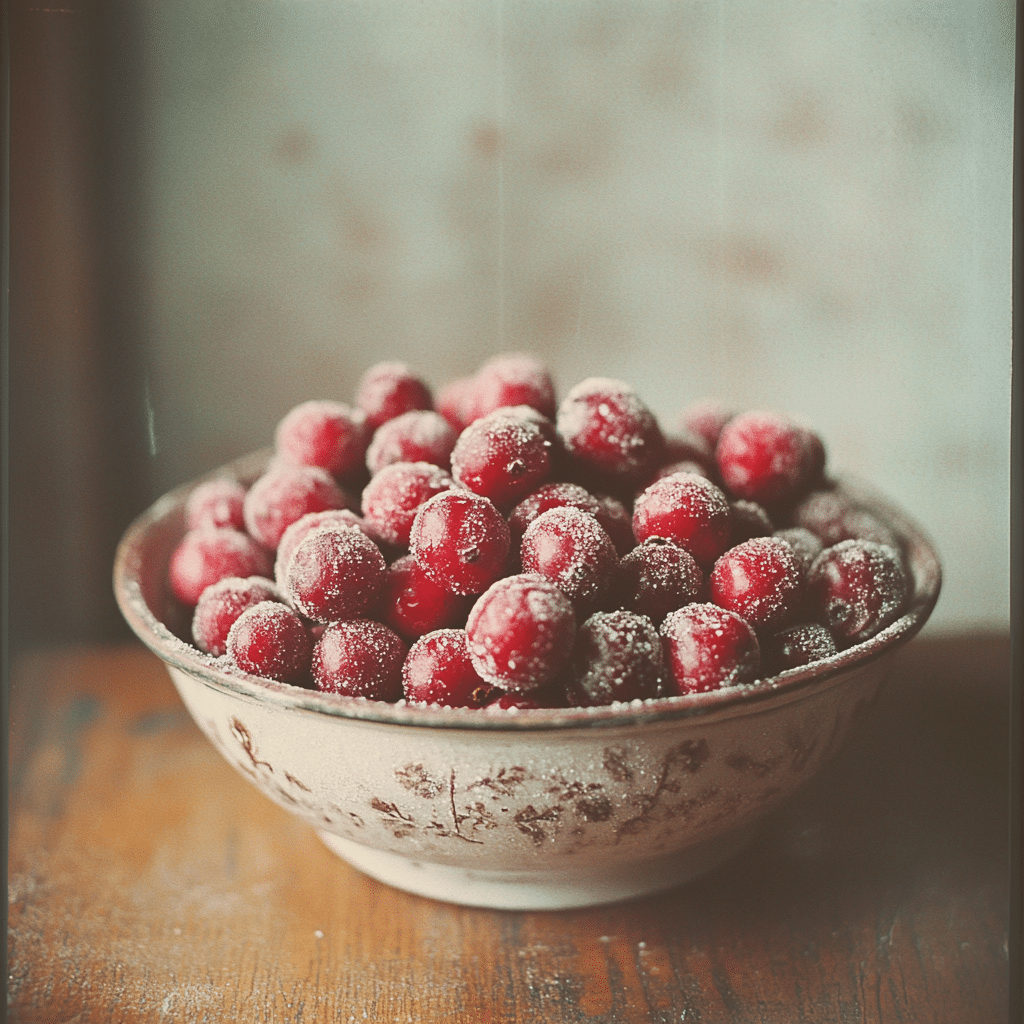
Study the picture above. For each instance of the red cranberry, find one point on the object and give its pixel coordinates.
(833, 517)
(284, 494)
(270, 640)
(616, 657)
(705, 418)
(656, 578)
(858, 588)
(688, 510)
(334, 572)
(610, 432)
(707, 647)
(215, 503)
(749, 520)
(307, 524)
(510, 379)
(761, 579)
(221, 603)
(210, 553)
(461, 541)
(389, 389)
(412, 604)
(796, 646)
(327, 434)
(419, 436)
(682, 466)
(806, 546)
(768, 458)
(451, 402)
(393, 497)
(548, 496)
(359, 658)
(617, 521)
(521, 632)
(502, 457)
(570, 548)
(439, 670)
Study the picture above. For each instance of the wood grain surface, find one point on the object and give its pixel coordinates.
(150, 882)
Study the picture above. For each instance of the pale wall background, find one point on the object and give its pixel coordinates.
(796, 205)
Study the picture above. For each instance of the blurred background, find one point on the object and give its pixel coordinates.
(218, 210)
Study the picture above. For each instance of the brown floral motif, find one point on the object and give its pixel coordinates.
(689, 756)
(594, 808)
(615, 764)
(534, 823)
(296, 782)
(760, 768)
(505, 781)
(416, 778)
(401, 824)
(242, 734)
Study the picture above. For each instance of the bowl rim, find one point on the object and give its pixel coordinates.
(725, 702)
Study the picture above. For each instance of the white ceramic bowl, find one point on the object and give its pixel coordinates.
(542, 809)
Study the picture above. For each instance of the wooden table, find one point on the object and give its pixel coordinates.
(150, 882)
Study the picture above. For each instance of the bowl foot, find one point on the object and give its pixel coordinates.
(580, 886)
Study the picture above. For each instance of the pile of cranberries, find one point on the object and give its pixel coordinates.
(492, 547)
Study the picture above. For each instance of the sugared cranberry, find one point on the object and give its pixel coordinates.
(806, 545)
(706, 418)
(359, 658)
(707, 647)
(270, 640)
(688, 510)
(334, 572)
(521, 631)
(749, 520)
(617, 656)
(656, 578)
(210, 553)
(419, 436)
(857, 588)
(387, 390)
(439, 670)
(460, 540)
(215, 503)
(617, 521)
(451, 400)
(569, 547)
(327, 434)
(286, 493)
(548, 496)
(761, 580)
(502, 457)
(796, 646)
(412, 604)
(609, 431)
(515, 378)
(310, 521)
(768, 458)
(222, 602)
(393, 497)
(682, 466)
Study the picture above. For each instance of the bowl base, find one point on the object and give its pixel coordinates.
(579, 886)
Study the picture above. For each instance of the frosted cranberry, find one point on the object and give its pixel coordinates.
(706, 418)
(857, 588)
(749, 520)
(286, 493)
(419, 436)
(796, 646)
(656, 578)
(502, 457)
(610, 432)
(461, 541)
(768, 458)
(310, 521)
(412, 604)
(682, 466)
(210, 553)
(393, 497)
(389, 389)
(270, 640)
(548, 496)
(221, 603)
(520, 632)
(806, 545)
(334, 572)
(451, 401)
(616, 657)
(707, 647)
(688, 510)
(569, 547)
(215, 503)
(359, 658)
(327, 434)
(439, 670)
(761, 579)
(833, 517)
(617, 521)
(510, 379)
